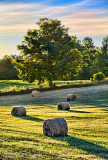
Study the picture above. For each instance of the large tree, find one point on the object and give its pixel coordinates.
(90, 58)
(48, 53)
(103, 58)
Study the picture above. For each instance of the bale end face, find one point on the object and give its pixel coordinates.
(63, 106)
(74, 97)
(35, 93)
(55, 127)
(71, 97)
(18, 111)
(59, 106)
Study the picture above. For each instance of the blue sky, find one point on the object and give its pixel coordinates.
(83, 17)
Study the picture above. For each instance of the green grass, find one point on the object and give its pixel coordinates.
(22, 137)
(19, 84)
(16, 84)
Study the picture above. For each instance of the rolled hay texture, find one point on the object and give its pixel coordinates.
(63, 106)
(18, 111)
(71, 97)
(35, 93)
(55, 127)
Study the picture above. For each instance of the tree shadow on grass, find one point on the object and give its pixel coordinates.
(31, 118)
(84, 145)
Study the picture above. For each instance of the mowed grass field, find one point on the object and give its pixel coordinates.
(22, 137)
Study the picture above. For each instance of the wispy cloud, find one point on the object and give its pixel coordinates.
(87, 23)
(79, 17)
(86, 17)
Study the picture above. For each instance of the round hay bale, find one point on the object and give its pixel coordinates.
(63, 106)
(71, 97)
(55, 127)
(35, 93)
(18, 111)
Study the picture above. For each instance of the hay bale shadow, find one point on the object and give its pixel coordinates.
(84, 145)
(30, 118)
(75, 111)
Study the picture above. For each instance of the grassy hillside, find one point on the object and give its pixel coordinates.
(10, 84)
(22, 137)
(19, 84)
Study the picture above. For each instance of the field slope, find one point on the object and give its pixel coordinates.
(22, 137)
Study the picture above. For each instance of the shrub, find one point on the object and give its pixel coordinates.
(98, 76)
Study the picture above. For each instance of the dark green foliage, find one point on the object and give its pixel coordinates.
(103, 57)
(88, 43)
(90, 59)
(85, 73)
(98, 76)
(7, 69)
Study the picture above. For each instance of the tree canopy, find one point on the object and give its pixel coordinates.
(103, 58)
(48, 53)
(90, 58)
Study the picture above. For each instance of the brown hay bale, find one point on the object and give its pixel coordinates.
(71, 97)
(55, 127)
(18, 111)
(35, 93)
(63, 106)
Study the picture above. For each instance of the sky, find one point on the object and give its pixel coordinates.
(83, 17)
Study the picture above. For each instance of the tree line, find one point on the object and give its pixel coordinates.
(7, 68)
(50, 53)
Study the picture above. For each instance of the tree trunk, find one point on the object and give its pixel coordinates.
(51, 85)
